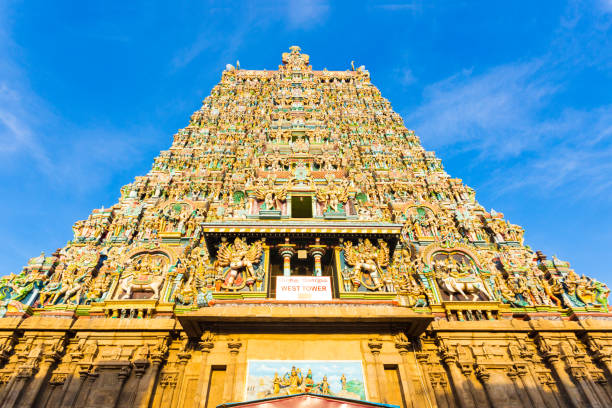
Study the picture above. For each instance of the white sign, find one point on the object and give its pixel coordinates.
(303, 288)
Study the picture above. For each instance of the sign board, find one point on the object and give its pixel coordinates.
(303, 288)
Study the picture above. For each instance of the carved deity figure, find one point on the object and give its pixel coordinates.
(272, 196)
(240, 258)
(331, 197)
(72, 276)
(460, 277)
(368, 263)
(144, 273)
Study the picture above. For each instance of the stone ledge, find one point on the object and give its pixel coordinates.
(105, 324)
(510, 325)
(10, 323)
(555, 325)
(514, 325)
(45, 323)
(352, 315)
(596, 324)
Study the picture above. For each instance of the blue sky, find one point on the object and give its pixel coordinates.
(513, 96)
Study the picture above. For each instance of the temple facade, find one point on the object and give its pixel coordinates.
(296, 238)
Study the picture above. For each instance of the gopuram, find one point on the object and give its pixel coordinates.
(296, 238)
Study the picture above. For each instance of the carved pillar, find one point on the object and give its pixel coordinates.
(476, 388)
(34, 369)
(516, 374)
(530, 380)
(422, 360)
(52, 396)
(140, 368)
(6, 348)
(375, 347)
(89, 377)
(157, 357)
(27, 364)
(21, 378)
(167, 383)
(570, 388)
(580, 375)
(228, 391)
(438, 383)
(605, 359)
(402, 348)
(287, 251)
(462, 392)
(109, 379)
(75, 382)
(496, 400)
(48, 360)
(183, 359)
(402, 344)
(6, 391)
(317, 251)
(600, 385)
(206, 345)
(527, 386)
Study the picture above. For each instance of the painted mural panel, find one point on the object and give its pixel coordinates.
(271, 378)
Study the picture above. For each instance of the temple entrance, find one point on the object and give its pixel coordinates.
(306, 400)
(301, 207)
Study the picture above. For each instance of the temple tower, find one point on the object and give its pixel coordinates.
(297, 238)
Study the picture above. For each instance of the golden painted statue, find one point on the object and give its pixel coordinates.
(144, 273)
(272, 196)
(331, 197)
(239, 258)
(368, 263)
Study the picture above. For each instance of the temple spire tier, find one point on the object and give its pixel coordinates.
(299, 172)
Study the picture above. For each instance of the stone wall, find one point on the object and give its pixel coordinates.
(66, 362)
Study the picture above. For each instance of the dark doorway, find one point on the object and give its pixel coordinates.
(301, 207)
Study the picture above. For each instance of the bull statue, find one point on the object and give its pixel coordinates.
(460, 279)
(144, 274)
(141, 283)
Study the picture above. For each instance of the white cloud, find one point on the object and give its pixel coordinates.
(503, 115)
(227, 40)
(492, 112)
(187, 54)
(20, 108)
(581, 162)
(412, 5)
(30, 132)
(512, 114)
(407, 77)
(303, 14)
(605, 6)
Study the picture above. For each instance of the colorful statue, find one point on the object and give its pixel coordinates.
(271, 196)
(145, 273)
(460, 278)
(240, 259)
(368, 262)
